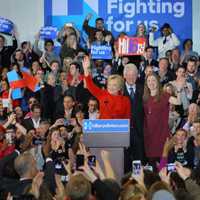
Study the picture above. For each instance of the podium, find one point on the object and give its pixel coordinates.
(110, 135)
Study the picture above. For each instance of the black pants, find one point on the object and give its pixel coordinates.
(135, 151)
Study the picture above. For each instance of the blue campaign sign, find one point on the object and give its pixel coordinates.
(106, 126)
(6, 26)
(101, 52)
(48, 32)
(123, 15)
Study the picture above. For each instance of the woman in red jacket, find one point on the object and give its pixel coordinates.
(113, 105)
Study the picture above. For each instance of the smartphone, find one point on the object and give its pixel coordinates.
(148, 167)
(66, 122)
(92, 161)
(171, 167)
(79, 160)
(136, 167)
(65, 179)
(37, 141)
(9, 138)
(69, 25)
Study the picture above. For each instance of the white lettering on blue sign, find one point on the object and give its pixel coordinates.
(130, 9)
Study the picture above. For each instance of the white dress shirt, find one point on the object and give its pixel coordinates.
(171, 42)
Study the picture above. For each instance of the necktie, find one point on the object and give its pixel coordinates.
(165, 40)
(131, 92)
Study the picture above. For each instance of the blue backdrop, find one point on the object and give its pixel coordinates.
(123, 15)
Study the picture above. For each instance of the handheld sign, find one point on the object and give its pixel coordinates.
(6, 26)
(30, 81)
(13, 77)
(5, 102)
(102, 52)
(48, 32)
(130, 46)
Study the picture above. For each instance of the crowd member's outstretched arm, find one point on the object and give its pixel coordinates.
(35, 46)
(192, 187)
(109, 172)
(88, 29)
(12, 120)
(96, 91)
(49, 170)
(169, 144)
(102, 191)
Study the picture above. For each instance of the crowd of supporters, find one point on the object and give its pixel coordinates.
(42, 151)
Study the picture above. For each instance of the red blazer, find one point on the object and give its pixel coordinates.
(111, 106)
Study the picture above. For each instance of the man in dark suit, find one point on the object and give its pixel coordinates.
(164, 72)
(34, 121)
(26, 167)
(135, 92)
(66, 109)
(147, 60)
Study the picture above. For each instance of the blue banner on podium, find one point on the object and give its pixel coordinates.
(106, 126)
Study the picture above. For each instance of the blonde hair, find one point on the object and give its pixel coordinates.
(119, 79)
(133, 191)
(171, 87)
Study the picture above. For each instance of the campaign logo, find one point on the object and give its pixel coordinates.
(63, 7)
(60, 12)
(87, 125)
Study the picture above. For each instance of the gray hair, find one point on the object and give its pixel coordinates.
(129, 67)
(23, 163)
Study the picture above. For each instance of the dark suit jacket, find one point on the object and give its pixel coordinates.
(137, 113)
(136, 150)
(5, 54)
(152, 63)
(60, 113)
(28, 124)
(17, 187)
